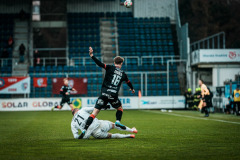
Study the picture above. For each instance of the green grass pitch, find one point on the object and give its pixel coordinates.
(176, 135)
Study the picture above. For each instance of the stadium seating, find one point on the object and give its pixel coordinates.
(138, 37)
(6, 30)
(149, 37)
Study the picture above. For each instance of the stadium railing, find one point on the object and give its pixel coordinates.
(5, 62)
(151, 83)
(138, 60)
(54, 61)
(162, 58)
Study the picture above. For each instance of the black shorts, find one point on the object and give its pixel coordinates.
(65, 100)
(207, 99)
(105, 98)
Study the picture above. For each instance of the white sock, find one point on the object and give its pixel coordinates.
(117, 135)
(127, 129)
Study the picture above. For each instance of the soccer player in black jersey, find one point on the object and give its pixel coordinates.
(65, 91)
(109, 93)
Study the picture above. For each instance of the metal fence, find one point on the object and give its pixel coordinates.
(61, 61)
(5, 62)
(171, 81)
(216, 41)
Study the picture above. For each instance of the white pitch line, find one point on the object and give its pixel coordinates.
(179, 115)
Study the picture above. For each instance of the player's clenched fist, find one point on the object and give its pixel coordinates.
(90, 51)
(133, 91)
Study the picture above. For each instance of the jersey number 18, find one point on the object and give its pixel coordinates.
(116, 79)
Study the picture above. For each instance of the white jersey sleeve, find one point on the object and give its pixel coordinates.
(88, 109)
(79, 121)
(74, 131)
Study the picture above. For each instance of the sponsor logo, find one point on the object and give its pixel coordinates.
(24, 86)
(232, 55)
(237, 95)
(44, 104)
(71, 83)
(182, 100)
(14, 104)
(77, 103)
(12, 89)
(91, 101)
(111, 90)
(125, 101)
(2, 82)
(116, 102)
(100, 102)
(148, 102)
(40, 82)
(12, 80)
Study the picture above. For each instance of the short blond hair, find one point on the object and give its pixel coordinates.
(65, 79)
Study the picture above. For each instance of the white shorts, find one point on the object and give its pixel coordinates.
(102, 130)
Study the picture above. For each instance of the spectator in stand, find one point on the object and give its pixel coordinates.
(36, 58)
(22, 15)
(4, 53)
(10, 42)
(236, 99)
(228, 106)
(21, 52)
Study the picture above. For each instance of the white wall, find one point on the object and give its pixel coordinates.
(14, 6)
(222, 74)
(154, 8)
(141, 8)
(95, 6)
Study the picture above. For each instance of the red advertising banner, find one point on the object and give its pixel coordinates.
(39, 82)
(80, 84)
(14, 85)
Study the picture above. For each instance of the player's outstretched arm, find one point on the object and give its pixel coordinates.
(128, 83)
(130, 86)
(99, 63)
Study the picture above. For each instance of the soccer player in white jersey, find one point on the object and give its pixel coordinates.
(98, 129)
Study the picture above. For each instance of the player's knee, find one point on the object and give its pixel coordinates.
(120, 108)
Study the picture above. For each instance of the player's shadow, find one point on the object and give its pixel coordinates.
(74, 140)
(90, 139)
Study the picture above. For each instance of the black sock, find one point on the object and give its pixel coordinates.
(206, 110)
(89, 122)
(119, 115)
